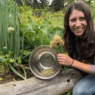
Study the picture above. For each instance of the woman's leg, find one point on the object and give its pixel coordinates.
(86, 86)
(91, 91)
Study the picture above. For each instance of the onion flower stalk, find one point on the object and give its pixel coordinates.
(58, 44)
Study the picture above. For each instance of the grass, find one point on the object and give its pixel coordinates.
(57, 21)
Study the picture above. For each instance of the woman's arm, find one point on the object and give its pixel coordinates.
(81, 66)
(67, 61)
(84, 67)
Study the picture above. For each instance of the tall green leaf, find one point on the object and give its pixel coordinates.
(47, 26)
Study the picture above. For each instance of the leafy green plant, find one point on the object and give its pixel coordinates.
(41, 33)
(9, 36)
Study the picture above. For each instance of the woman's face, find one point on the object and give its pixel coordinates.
(77, 22)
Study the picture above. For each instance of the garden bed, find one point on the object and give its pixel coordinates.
(10, 76)
(59, 84)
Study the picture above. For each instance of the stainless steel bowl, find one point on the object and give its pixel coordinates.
(43, 62)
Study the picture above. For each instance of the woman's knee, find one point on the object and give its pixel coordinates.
(78, 90)
(83, 85)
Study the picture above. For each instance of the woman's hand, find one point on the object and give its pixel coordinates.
(67, 61)
(64, 59)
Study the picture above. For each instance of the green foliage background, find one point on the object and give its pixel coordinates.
(36, 25)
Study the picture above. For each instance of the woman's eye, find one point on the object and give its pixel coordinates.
(73, 20)
(82, 18)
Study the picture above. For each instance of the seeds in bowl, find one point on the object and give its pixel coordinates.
(47, 71)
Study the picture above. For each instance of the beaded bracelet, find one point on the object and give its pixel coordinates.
(72, 63)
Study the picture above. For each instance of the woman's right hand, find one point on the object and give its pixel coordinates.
(64, 59)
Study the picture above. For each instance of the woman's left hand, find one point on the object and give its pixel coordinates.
(64, 59)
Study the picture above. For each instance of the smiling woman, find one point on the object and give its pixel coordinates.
(79, 42)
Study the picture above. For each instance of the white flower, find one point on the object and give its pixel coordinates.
(10, 30)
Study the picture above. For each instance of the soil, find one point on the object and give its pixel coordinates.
(10, 76)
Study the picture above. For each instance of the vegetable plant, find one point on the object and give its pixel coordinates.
(10, 37)
(40, 33)
(58, 44)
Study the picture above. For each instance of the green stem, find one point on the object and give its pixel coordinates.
(60, 48)
(57, 49)
(25, 74)
(26, 56)
(61, 51)
(65, 68)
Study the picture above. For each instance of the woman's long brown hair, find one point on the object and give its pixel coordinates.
(79, 49)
